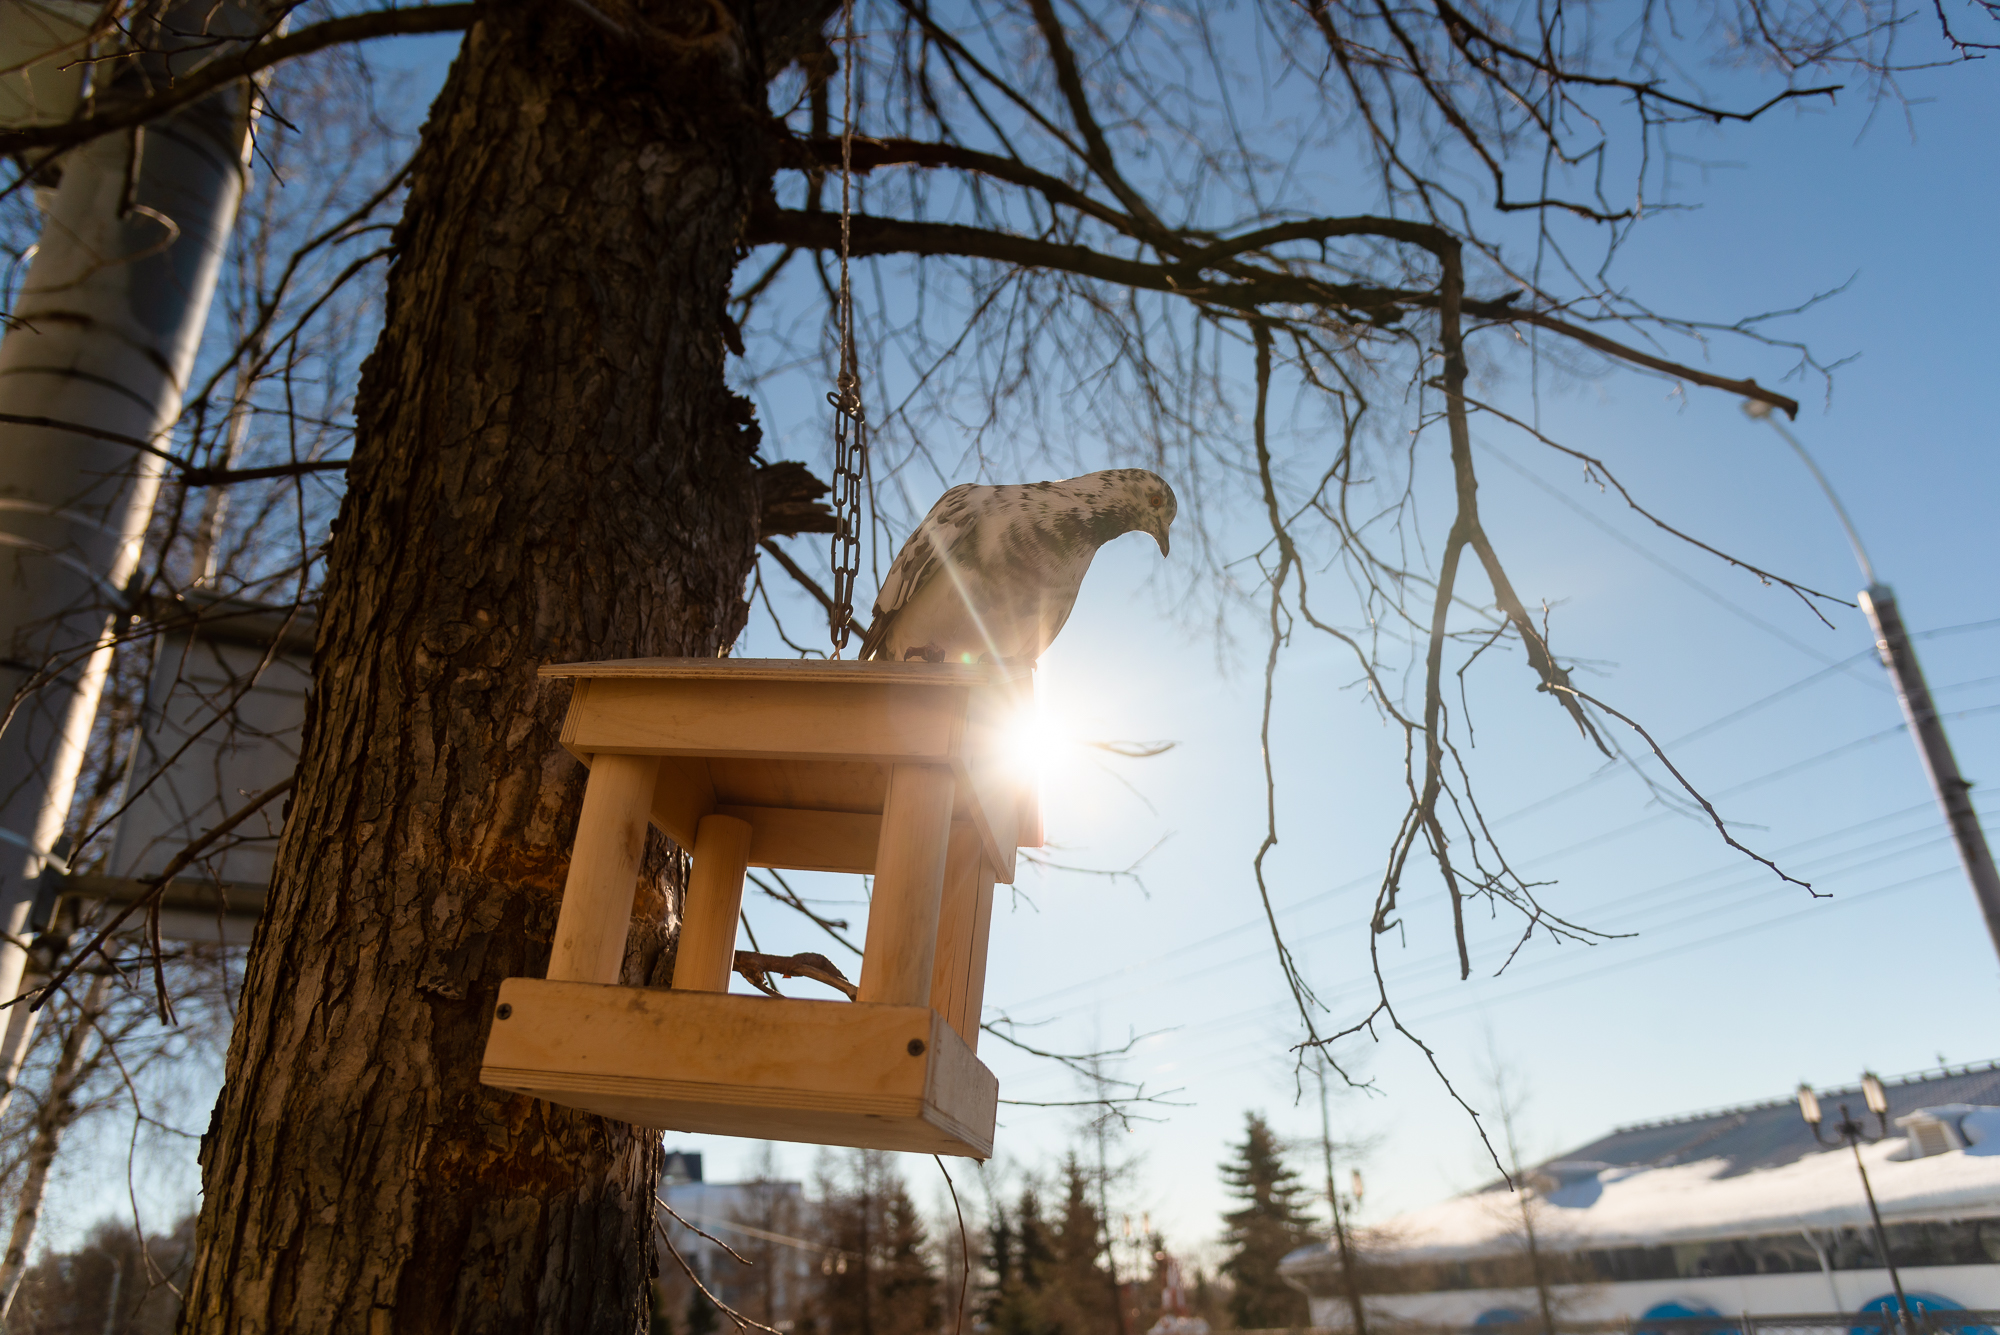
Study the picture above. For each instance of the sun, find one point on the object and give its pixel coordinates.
(1034, 742)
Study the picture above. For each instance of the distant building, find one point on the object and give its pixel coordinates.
(1735, 1211)
(765, 1221)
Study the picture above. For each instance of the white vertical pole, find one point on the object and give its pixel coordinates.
(110, 317)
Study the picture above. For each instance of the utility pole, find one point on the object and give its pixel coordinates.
(1892, 642)
(107, 323)
(1349, 1280)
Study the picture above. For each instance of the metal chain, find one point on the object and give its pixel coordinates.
(850, 422)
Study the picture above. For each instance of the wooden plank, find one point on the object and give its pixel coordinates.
(707, 948)
(596, 911)
(774, 720)
(972, 1008)
(842, 841)
(909, 886)
(961, 1097)
(681, 797)
(820, 1072)
(786, 669)
(951, 971)
(811, 785)
(1006, 804)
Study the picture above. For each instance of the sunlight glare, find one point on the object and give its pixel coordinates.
(1037, 742)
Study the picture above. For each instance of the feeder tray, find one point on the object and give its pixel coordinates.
(899, 770)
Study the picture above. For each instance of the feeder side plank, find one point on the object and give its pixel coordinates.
(909, 885)
(773, 720)
(840, 1049)
(603, 876)
(960, 1096)
(957, 920)
(572, 721)
(973, 1005)
(683, 795)
(787, 669)
(821, 1072)
(1003, 802)
(790, 840)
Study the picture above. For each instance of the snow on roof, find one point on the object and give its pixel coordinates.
(1640, 1206)
(1736, 1172)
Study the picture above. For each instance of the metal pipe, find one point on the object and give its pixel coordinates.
(109, 318)
(1892, 642)
(1954, 793)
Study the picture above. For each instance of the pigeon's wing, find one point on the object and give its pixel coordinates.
(948, 523)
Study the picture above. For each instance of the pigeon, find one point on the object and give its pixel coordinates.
(992, 572)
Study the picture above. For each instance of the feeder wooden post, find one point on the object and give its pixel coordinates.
(707, 951)
(596, 912)
(958, 979)
(909, 884)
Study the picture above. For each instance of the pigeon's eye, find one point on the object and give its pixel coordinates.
(1156, 500)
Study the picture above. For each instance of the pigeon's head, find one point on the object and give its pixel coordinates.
(1139, 500)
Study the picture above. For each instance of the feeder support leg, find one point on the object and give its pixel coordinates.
(958, 980)
(909, 883)
(706, 954)
(604, 870)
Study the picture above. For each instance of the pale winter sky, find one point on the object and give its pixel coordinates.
(1734, 986)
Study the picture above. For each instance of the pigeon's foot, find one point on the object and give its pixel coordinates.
(929, 653)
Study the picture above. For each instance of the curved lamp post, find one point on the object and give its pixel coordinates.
(1892, 643)
(1852, 1134)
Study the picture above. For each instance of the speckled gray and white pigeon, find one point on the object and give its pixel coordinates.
(992, 572)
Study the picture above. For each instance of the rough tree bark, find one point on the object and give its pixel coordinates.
(549, 467)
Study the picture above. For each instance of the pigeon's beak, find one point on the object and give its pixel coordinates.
(1162, 536)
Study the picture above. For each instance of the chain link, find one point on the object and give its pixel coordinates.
(850, 422)
(850, 468)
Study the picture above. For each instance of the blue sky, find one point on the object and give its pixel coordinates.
(1735, 985)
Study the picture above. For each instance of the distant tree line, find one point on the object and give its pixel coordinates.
(1041, 1257)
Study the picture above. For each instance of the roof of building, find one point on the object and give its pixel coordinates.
(1772, 1134)
(1731, 1172)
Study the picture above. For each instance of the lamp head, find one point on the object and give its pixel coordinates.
(1809, 1105)
(1871, 1089)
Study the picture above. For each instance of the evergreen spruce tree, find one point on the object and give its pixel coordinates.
(998, 1256)
(1024, 1268)
(1081, 1300)
(909, 1302)
(701, 1315)
(1271, 1222)
(881, 1281)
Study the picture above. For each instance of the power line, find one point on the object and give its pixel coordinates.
(1209, 941)
(1704, 590)
(1434, 960)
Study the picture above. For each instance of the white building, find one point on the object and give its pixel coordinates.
(764, 1221)
(1739, 1211)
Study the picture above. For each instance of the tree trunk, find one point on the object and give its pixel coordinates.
(549, 467)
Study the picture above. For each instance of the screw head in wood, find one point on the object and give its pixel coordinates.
(504, 1012)
(916, 1047)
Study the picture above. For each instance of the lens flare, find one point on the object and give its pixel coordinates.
(1032, 743)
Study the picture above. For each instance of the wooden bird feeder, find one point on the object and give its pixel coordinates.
(900, 770)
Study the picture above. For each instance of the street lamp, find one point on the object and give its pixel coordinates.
(1898, 655)
(1852, 1134)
